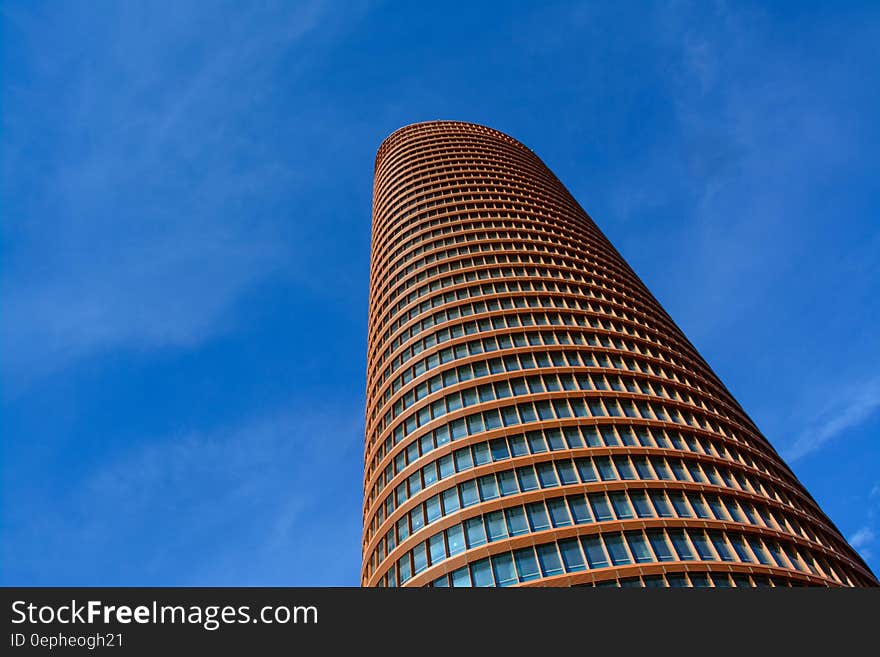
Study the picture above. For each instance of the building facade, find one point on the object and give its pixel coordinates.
(534, 417)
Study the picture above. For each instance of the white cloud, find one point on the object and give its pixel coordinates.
(851, 408)
(862, 538)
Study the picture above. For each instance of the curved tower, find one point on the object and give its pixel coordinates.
(534, 417)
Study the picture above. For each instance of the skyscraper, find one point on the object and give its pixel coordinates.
(534, 417)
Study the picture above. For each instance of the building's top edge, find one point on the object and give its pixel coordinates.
(403, 129)
(416, 124)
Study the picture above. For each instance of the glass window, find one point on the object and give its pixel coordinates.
(595, 554)
(509, 416)
(644, 437)
(502, 389)
(558, 512)
(721, 546)
(537, 444)
(417, 518)
(713, 476)
(475, 531)
(741, 548)
(580, 512)
(660, 503)
(699, 505)
(547, 475)
(733, 510)
(681, 507)
(567, 474)
(596, 408)
(527, 412)
(446, 467)
(389, 539)
(680, 542)
(496, 528)
(516, 521)
(507, 482)
(640, 502)
(461, 577)
(537, 516)
(717, 508)
(429, 473)
(391, 575)
(549, 560)
(455, 539)
(592, 437)
(463, 459)
(518, 446)
(481, 453)
(639, 548)
(437, 548)
(401, 494)
(488, 487)
(643, 468)
(415, 482)
(573, 437)
(621, 505)
(606, 470)
(404, 568)
(616, 549)
(792, 555)
(492, 419)
(502, 567)
(601, 509)
(527, 478)
(678, 469)
(609, 436)
(572, 557)
(481, 572)
(499, 449)
(677, 580)
(720, 580)
(624, 468)
(749, 510)
(659, 545)
(468, 491)
(554, 439)
(560, 406)
(402, 529)
(526, 564)
(450, 500)
(661, 469)
(758, 550)
(578, 408)
(701, 543)
(420, 558)
(432, 508)
(586, 470)
(457, 429)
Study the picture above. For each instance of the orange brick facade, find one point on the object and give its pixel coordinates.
(534, 417)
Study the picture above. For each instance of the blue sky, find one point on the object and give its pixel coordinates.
(185, 241)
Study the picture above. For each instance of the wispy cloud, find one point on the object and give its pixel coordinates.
(850, 408)
(755, 142)
(864, 539)
(142, 199)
